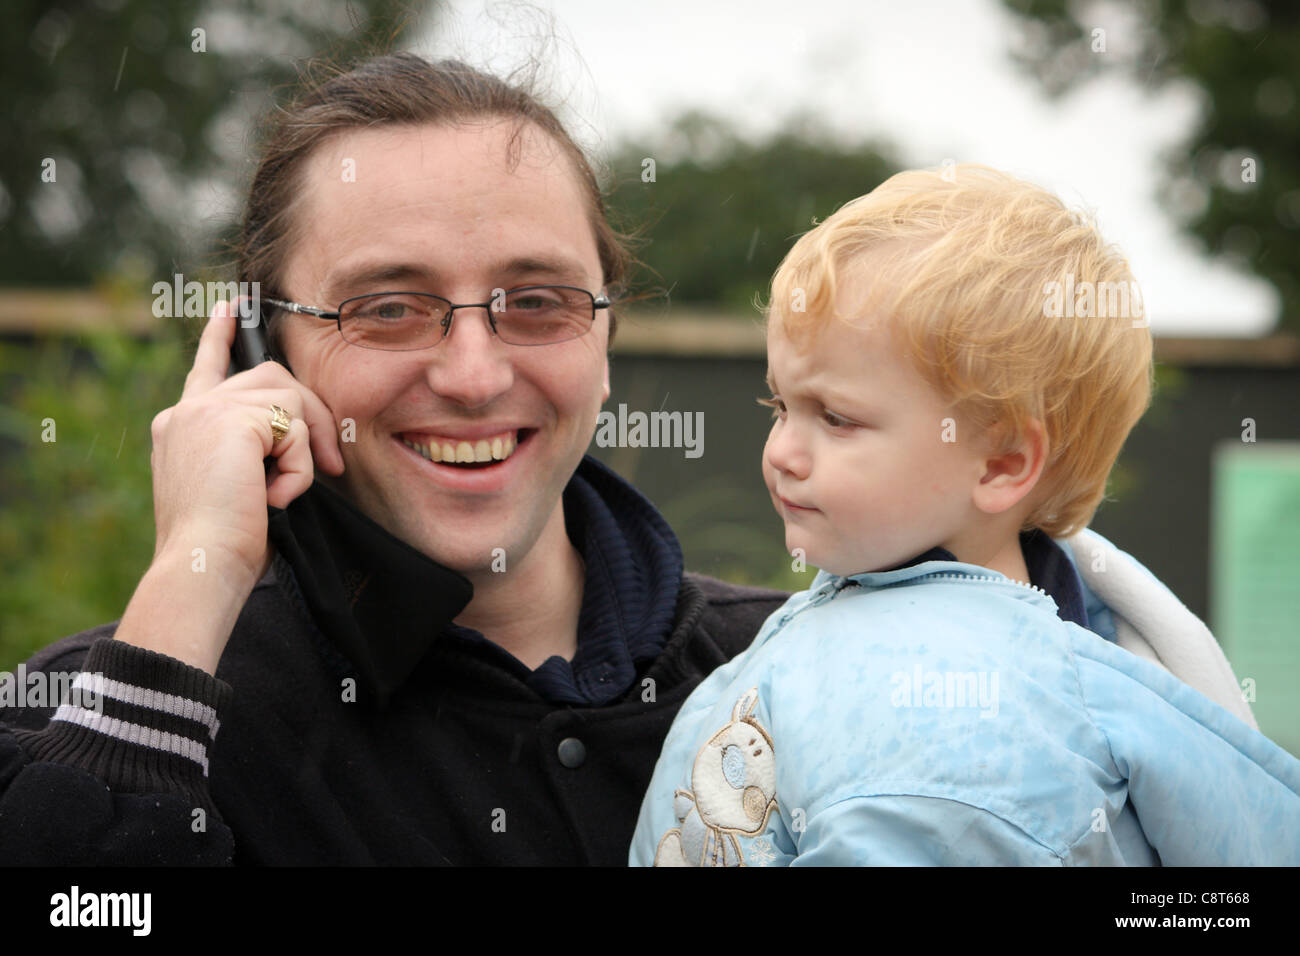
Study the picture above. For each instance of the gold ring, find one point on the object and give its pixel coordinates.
(280, 422)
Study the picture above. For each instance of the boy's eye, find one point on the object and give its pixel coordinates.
(835, 421)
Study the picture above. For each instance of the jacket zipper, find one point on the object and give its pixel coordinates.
(829, 592)
(951, 576)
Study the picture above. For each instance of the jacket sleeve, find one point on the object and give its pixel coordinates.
(116, 773)
(911, 830)
(1207, 789)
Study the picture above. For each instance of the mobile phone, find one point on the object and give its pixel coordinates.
(249, 349)
(250, 346)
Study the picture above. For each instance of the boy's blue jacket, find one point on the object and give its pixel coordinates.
(944, 714)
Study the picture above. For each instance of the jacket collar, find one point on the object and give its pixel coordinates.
(1055, 580)
(377, 599)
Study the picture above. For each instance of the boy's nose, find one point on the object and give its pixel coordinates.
(785, 452)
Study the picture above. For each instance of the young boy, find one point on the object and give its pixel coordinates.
(955, 361)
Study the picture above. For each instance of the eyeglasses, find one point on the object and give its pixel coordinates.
(407, 321)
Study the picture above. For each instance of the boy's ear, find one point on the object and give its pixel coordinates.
(1009, 476)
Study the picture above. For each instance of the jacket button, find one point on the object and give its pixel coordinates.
(571, 752)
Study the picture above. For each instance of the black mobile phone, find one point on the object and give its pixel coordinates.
(250, 346)
(249, 349)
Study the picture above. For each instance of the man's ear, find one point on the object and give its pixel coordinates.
(604, 396)
(1010, 475)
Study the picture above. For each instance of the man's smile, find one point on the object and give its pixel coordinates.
(463, 449)
(485, 465)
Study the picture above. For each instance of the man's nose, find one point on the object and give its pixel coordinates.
(471, 365)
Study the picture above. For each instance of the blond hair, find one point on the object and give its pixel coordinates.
(979, 272)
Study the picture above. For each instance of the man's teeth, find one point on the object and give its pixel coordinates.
(497, 447)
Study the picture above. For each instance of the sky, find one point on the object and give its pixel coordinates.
(932, 79)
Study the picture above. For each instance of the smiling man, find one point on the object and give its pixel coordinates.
(433, 630)
(437, 209)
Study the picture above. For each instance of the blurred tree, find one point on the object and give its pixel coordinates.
(1234, 183)
(123, 153)
(720, 213)
(125, 116)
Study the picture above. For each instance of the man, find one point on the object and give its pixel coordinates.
(471, 657)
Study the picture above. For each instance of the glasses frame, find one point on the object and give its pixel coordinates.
(600, 301)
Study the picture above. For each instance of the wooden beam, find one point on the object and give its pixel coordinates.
(72, 311)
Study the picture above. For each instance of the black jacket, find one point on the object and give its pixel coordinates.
(303, 750)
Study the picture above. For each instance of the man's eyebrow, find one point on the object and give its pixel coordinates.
(341, 285)
(557, 267)
(369, 274)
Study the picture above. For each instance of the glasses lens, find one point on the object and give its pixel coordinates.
(543, 315)
(393, 321)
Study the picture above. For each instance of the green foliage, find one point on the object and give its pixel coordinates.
(1242, 58)
(137, 120)
(722, 212)
(77, 530)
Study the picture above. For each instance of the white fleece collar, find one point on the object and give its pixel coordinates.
(1152, 623)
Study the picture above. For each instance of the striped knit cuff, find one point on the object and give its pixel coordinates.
(140, 721)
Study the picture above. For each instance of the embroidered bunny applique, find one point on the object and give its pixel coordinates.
(733, 792)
